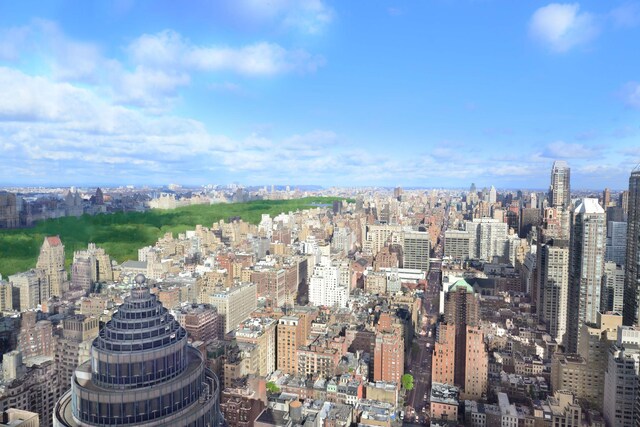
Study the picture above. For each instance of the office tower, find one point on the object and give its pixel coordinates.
(9, 217)
(388, 354)
(560, 188)
(51, 261)
(553, 273)
(586, 267)
(32, 288)
(457, 244)
(461, 337)
(632, 264)
(90, 266)
(493, 196)
(416, 250)
(616, 249)
(201, 321)
(613, 288)
(325, 286)
(141, 372)
(624, 202)
(621, 380)
(73, 347)
(234, 305)
(606, 198)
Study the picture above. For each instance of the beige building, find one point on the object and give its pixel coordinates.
(6, 296)
(51, 261)
(32, 287)
(74, 346)
(234, 304)
(17, 418)
(262, 333)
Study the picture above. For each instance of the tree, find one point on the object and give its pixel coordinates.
(272, 387)
(407, 382)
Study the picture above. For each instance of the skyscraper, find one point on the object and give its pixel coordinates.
(141, 372)
(51, 260)
(586, 266)
(632, 264)
(560, 189)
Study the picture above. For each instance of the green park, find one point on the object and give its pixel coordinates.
(121, 234)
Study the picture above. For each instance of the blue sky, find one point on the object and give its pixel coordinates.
(413, 93)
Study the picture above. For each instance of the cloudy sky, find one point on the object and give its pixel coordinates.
(413, 93)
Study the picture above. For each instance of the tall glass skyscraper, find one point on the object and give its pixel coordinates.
(631, 314)
(142, 372)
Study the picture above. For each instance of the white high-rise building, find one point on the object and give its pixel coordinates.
(488, 238)
(560, 189)
(554, 276)
(326, 286)
(493, 196)
(586, 266)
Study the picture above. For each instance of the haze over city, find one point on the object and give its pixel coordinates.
(414, 93)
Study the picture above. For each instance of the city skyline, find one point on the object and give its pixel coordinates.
(437, 94)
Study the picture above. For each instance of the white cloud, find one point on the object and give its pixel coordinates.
(170, 49)
(12, 41)
(631, 94)
(564, 150)
(626, 15)
(561, 27)
(307, 16)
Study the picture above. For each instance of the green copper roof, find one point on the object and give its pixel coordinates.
(461, 283)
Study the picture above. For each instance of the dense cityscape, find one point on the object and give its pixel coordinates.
(382, 307)
(319, 213)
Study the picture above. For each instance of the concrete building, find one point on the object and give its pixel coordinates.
(6, 296)
(36, 337)
(234, 305)
(326, 287)
(621, 380)
(613, 288)
(488, 238)
(632, 263)
(17, 418)
(51, 261)
(32, 287)
(457, 244)
(416, 250)
(586, 267)
(261, 332)
(165, 379)
(553, 273)
(290, 337)
(201, 321)
(73, 347)
(90, 266)
(9, 215)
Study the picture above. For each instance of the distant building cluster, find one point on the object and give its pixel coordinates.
(480, 307)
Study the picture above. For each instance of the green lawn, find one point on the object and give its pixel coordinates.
(122, 234)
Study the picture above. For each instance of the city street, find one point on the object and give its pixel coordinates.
(420, 366)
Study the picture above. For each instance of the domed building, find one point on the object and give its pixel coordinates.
(142, 372)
